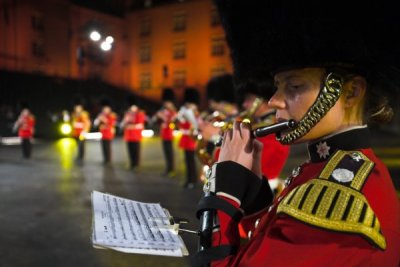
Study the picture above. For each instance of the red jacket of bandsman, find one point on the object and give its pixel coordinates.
(80, 123)
(133, 125)
(107, 122)
(26, 124)
(167, 117)
(187, 141)
(273, 157)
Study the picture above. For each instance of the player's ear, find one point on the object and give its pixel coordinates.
(355, 91)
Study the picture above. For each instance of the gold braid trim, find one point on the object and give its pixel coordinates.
(326, 99)
(333, 206)
(332, 163)
(361, 174)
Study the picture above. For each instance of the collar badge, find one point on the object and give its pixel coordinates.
(323, 150)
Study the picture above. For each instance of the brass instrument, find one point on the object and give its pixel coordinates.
(217, 119)
(244, 115)
(224, 123)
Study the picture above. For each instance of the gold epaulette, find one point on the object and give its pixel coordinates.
(334, 200)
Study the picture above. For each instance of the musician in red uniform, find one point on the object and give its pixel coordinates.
(274, 154)
(222, 109)
(188, 125)
(26, 128)
(80, 126)
(167, 116)
(133, 125)
(106, 122)
(340, 207)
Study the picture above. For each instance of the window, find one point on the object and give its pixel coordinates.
(179, 22)
(145, 27)
(179, 50)
(214, 18)
(37, 48)
(217, 71)
(37, 22)
(145, 81)
(145, 54)
(217, 46)
(179, 78)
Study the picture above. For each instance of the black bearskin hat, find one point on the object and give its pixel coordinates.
(25, 105)
(78, 101)
(168, 95)
(269, 36)
(105, 102)
(221, 88)
(131, 100)
(191, 95)
(261, 88)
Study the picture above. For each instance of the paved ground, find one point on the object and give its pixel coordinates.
(45, 209)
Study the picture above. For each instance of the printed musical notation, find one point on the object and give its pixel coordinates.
(134, 227)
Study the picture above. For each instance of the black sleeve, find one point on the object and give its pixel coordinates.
(235, 180)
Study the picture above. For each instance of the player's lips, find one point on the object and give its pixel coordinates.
(281, 134)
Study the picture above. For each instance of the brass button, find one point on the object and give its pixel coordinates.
(270, 208)
(249, 234)
(296, 171)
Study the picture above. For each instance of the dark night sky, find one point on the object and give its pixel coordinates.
(118, 7)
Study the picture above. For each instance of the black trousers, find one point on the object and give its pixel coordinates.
(134, 153)
(106, 147)
(191, 172)
(168, 155)
(26, 147)
(81, 147)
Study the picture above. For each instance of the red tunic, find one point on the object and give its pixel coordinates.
(26, 126)
(134, 124)
(273, 157)
(80, 123)
(280, 240)
(107, 125)
(166, 127)
(187, 141)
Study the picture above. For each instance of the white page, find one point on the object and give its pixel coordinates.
(137, 227)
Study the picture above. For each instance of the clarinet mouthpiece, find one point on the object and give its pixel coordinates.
(274, 128)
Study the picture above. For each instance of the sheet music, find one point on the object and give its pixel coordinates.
(134, 227)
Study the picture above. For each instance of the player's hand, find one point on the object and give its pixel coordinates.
(240, 147)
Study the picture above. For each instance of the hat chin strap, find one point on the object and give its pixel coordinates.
(327, 97)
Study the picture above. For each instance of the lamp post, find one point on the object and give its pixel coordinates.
(94, 49)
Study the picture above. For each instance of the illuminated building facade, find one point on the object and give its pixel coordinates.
(175, 44)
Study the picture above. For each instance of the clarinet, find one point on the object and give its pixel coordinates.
(207, 216)
(275, 128)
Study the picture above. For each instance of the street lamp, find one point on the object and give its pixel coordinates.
(105, 46)
(109, 39)
(95, 36)
(95, 49)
